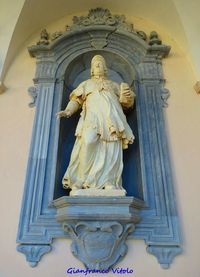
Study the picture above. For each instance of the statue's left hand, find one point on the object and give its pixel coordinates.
(126, 96)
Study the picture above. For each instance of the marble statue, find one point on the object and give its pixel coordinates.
(96, 162)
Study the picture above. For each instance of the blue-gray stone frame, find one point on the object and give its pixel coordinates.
(159, 227)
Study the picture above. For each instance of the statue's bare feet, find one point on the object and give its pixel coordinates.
(86, 186)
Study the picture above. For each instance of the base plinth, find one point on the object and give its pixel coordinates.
(98, 226)
(98, 192)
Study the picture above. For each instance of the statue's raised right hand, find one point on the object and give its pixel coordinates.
(65, 113)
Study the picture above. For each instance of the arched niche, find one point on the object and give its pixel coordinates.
(76, 72)
(61, 63)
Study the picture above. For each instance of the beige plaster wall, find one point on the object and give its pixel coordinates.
(182, 116)
(9, 14)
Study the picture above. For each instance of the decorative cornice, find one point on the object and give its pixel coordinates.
(100, 17)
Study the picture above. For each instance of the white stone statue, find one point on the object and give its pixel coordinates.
(102, 133)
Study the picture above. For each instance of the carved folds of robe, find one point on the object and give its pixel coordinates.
(101, 135)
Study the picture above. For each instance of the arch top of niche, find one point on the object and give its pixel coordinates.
(99, 30)
(140, 55)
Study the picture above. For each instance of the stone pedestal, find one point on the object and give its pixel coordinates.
(99, 227)
(98, 192)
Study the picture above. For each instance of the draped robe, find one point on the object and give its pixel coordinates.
(101, 135)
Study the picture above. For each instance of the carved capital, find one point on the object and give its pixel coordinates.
(45, 70)
(161, 50)
(150, 68)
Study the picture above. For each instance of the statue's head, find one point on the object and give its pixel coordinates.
(98, 66)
